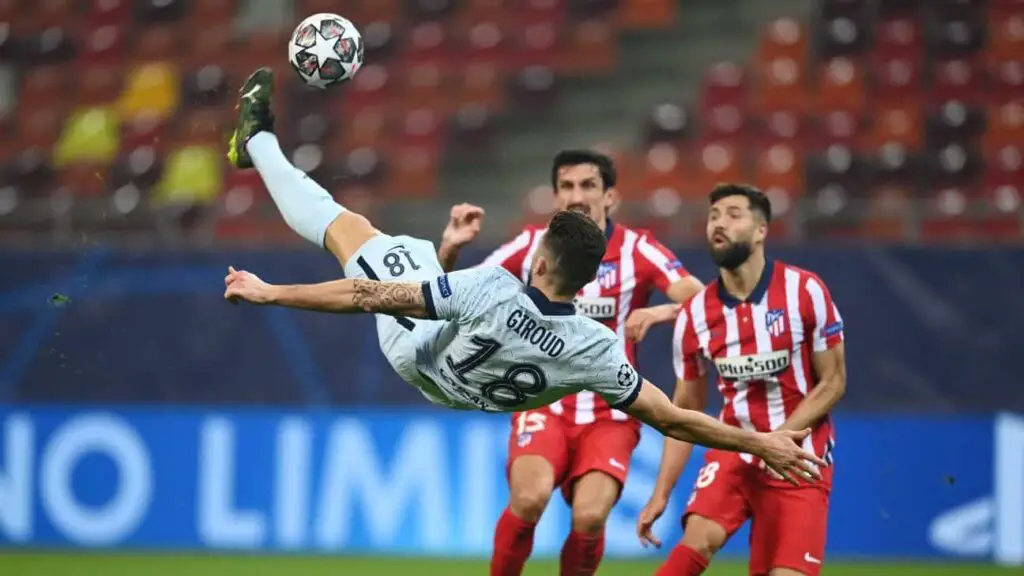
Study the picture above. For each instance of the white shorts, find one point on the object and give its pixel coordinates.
(401, 259)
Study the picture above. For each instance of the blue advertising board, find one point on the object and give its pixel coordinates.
(423, 482)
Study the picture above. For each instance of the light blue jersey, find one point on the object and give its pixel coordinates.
(501, 346)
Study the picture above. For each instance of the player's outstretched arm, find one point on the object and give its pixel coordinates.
(780, 450)
(345, 296)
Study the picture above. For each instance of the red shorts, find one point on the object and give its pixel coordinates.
(573, 449)
(788, 523)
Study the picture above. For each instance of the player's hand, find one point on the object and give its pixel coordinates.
(639, 322)
(784, 457)
(241, 285)
(653, 510)
(463, 225)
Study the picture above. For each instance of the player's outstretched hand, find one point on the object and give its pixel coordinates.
(653, 510)
(783, 455)
(241, 285)
(463, 224)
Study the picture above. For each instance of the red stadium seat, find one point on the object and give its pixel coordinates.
(590, 48)
(663, 168)
(902, 125)
(429, 42)
(783, 38)
(789, 126)
(896, 80)
(841, 85)
(837, 127)
(414, 172)
(534, 11)
(780, 167)
(723, 83)
(533, 45)
(899, 39)
(422, 86)
(421, 128)
(716, 163)
(648, 14)
(1005, 126)
(481, 84)
(1006, 35)
(780, 86)
(726, 124)
(103, 43)
(956, 79)
(116, 12)
(1006, 81)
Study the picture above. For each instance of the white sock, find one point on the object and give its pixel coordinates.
(307, 208)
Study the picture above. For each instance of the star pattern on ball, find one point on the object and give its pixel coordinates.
(323, 49)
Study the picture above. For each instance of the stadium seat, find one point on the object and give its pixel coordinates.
(957, 37)
(1005, 126)
(150, 88)
(841, 86)
(648, 14)
(429, 42)
(841, 127)
(206, 86)
(534, 88)
(116, 12)
(90, 136)
(590, 48)
(899, 38)
(39, 128)
(783, 39)
(725, 124)
(956, 164)
(413, 172)
(82, 180)
(192, 175)
(473, 129)
(669, 123)
(533, 45)
(139, 167)
(480, 84)
(901, 125)
(790, 126)
(422, 85)
(954, 122)
(99, 84)
(217, 12)
(421, 128)
(160, 11)
(716, 163)
(896, 81)
(780, 85)
(842, 36)
(379, 38)
(43, 87)
(723, 83)
(1006, 81)
(663, 169)
(780, 167)
(957, 80)
(158, 43)
(103, 43)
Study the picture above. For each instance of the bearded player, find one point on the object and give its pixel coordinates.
(776, 339)
(578, 443)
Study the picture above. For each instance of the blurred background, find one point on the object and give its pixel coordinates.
(138, 412)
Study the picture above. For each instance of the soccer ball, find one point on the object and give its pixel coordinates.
(325, 50)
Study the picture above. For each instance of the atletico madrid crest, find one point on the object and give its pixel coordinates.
(608, 275)
(775, 322)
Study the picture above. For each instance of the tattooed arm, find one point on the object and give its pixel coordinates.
(338, 296)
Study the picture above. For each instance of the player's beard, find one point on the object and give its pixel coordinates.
(732, 255)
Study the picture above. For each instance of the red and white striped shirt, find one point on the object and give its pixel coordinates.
(762, 348)
(634, 265)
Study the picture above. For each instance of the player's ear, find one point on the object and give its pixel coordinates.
(611, 200)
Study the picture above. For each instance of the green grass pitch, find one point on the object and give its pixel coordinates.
(88, 564)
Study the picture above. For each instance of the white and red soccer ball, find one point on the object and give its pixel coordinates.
(325, 50)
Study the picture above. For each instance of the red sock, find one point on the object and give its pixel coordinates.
(683, 561)
(513, 542)
(582, 553)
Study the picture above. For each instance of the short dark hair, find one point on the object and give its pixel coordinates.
(604, 164)
(577, 246)
(758, 201)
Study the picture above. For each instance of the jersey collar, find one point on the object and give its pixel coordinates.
(547, 307)
(757, 295)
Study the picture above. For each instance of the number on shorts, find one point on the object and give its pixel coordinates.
(393, 262)
(519, 381)
(530, 422)
(707, 474)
